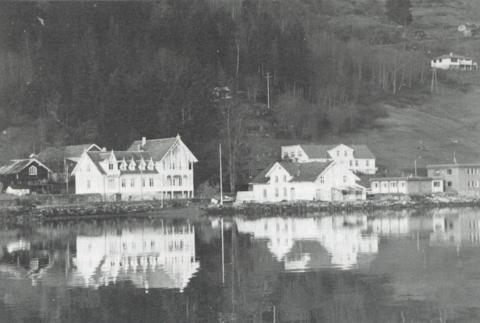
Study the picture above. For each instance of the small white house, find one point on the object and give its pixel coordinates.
(357, 158)
(157, 169)
(454, 62)
(293, 181)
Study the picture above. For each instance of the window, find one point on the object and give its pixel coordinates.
(344, 179)
(111, 183)
(151, 165)
(276, 179)
(338, 153)
(264, 193)
(32, 171)
(367, 163)
(449, 184)
(123, 165)
(190, 165)
(375, 184)
(179, 181)
(143, 182)
(454, 60)
(351, 163)
(169, 180)
(88, 168)
(284, 192)
(276, 192)
(110, 166)
(394, 184)
(322, 180)
(124, 182)
(449, 171)
(151, 182)
(284, 178)
(132, 182)
(436, 184)
(132, 165)
(356, 162)
(345, 153)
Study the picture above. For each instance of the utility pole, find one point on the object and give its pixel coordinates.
(433, 85)
(221, 177)
(268, 75)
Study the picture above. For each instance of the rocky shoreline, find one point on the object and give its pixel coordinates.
(303, 208)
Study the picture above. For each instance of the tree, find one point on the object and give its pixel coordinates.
(399, 11)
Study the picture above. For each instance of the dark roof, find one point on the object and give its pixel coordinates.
(99, 156)
(66, 151)
(156, 147)
(18, 165)
(321, 151)
(54, 157)
(301, 172)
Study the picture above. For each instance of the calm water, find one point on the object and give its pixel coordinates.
(394, 267)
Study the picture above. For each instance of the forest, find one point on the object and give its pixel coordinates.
(111, 72)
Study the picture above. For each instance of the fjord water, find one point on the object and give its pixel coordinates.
(407, 266)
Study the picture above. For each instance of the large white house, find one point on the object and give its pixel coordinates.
(357, 158)
(151, 169)
(293, 181)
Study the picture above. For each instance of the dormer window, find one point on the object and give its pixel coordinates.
(132, 165)
(110, 166)
(141, 166)
(151, 165)
(123, 165)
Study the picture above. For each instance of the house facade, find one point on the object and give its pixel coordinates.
(405, 185)
(461, 178)
(357, 158)
(293, 181)
(28, 175)
(453, 62)
(158, 169)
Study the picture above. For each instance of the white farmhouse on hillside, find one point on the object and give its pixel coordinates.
(291, 181)
(157, 169)
(454, 62)
(357, 158)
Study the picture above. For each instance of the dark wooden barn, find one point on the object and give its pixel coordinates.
(25, 174)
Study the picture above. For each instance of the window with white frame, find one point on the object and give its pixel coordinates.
(32, 171)
(151, 182)
(322, 180)
(132, 165)
(124, 182)
(143, 182)
(132, 182)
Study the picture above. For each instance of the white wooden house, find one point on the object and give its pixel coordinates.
(154, 169)
(357, 158)
(453, 62)
(293, 181)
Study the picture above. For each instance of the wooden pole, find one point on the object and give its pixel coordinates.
(221, 176)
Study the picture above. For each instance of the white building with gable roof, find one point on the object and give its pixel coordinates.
(153, 169)
(357, 158)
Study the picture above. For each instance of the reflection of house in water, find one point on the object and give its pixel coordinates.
(456, 229)
(339, 241)
(28, 261)
(149, 257)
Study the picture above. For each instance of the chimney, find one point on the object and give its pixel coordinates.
(144, 141)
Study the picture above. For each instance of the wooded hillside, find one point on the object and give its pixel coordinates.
(111, 72)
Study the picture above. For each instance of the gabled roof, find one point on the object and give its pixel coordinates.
(72, 151)
(157, 148)
(54, 157)
(300, 172)
(20, 164)
(321, 151)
